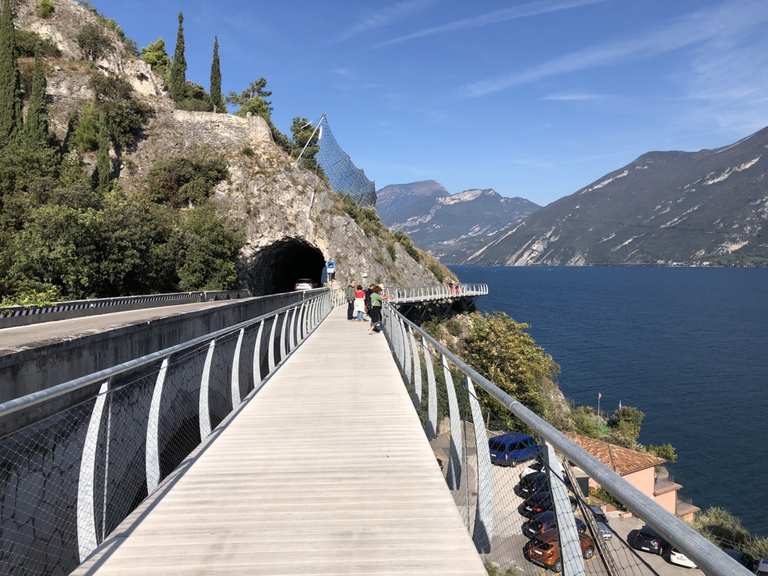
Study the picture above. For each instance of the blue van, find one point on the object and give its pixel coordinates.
(513, 447)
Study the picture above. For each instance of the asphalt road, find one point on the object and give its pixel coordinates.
(24, 337)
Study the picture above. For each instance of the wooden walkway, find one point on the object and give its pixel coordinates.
(325, 471)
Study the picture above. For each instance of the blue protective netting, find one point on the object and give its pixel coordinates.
(344, 176)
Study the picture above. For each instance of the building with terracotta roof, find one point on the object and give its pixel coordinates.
(640, 470)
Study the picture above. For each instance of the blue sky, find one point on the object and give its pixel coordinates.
(534, 98)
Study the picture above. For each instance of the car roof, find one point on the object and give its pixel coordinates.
(512, 437)
(763, 564)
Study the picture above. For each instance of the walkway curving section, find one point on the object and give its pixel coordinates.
(325, 471)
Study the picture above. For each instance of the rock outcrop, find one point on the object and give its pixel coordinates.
(266, 193)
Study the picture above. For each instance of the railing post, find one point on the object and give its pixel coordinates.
(271, 346)
(432, 393)
(204, 411)
(454, 461)
(235, 392)
(483, 531)
(152, 442)
(257, 357)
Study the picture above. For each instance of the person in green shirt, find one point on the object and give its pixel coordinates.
(375, 310)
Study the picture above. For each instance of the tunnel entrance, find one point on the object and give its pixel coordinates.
(277, 267)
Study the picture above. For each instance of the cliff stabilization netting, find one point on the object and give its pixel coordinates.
(344, 176)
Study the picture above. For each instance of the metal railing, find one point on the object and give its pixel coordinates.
(430, 293)
(68, 480)
(24, 315)
(489, 496)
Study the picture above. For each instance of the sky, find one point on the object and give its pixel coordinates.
(534, 98)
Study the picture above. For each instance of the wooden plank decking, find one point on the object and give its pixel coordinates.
(325, 471)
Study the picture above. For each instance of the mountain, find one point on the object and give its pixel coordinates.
(451, 226)
(667, 208)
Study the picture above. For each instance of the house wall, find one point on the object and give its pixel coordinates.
(668, 501)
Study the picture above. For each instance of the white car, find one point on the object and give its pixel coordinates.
(762, 568)
(677, 558)
(303, 284)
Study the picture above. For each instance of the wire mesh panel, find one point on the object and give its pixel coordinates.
(528, 509)
(344, 176)
(68, 480)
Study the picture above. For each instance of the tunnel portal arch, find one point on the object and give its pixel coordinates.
(276, 268)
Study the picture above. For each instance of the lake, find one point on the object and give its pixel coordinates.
(688, 346)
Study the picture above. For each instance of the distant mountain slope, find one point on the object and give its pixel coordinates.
(453, 226)
(696, 208)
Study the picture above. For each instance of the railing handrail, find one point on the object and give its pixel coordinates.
(399, 295)
(709, 557)
(35, 398)
(10, 311)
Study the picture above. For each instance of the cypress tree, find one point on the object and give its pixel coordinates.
(179, 66)
(103, 162)
(9, 76)
(216, 98)
(36, 125)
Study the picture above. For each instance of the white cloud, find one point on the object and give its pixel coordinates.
(709, 25)
(384, 17)
(497, 16)
(575, 97)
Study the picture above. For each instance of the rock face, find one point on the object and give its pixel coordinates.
(666, 208)
(452, 227)
(275, 202)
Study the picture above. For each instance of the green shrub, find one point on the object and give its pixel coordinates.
(407, 243)
(392, 251)
(604, 496)
(588, 423)
(157, 58)
(248, 151)
(504, 352)
(93, 42)
(666, 451)
(181, 182)
(195, 99)
(125, 115)
(86, 134)
(45, 8)
(30, 44)
(627, 422)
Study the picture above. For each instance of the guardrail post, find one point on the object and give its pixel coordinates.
(432, 391)
(271, 349)
(235, 393)
(282, 335)
(205, 413)
(87, 539)
(416, 369)
(483, 531)
(152, 443)
(571, 560)
(257, 357)
(454, 461)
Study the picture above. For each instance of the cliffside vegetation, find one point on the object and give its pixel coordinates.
(727, 531)
(507, 354)
(68, 230)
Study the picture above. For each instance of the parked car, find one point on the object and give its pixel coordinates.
(647, 540)
(541, 525)
(762, 567)
(547, 553)
(532, 468)
(304, 284)
(513, 447)
(531, 484)
(538, 503)
(674, 556)
(601, 520)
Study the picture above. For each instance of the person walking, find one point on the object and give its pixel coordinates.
(375, 310)
(349, 294)
(359, 305)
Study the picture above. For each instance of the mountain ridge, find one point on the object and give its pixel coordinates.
(700, 208)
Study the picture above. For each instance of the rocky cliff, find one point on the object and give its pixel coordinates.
(276, 203)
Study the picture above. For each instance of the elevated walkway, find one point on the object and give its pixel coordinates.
(325, 471)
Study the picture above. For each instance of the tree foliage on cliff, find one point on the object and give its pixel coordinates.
(178, 76)
(217, 100)
(67, 232)
(507, 354)
(727, 531)
(155, 55)
(9, 75)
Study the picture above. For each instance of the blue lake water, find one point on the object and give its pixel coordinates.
(687, 346)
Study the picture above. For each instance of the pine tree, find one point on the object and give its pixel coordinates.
(179, 66)
(103, 162)
(216, 97)
(9, 76)
(36, 125)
